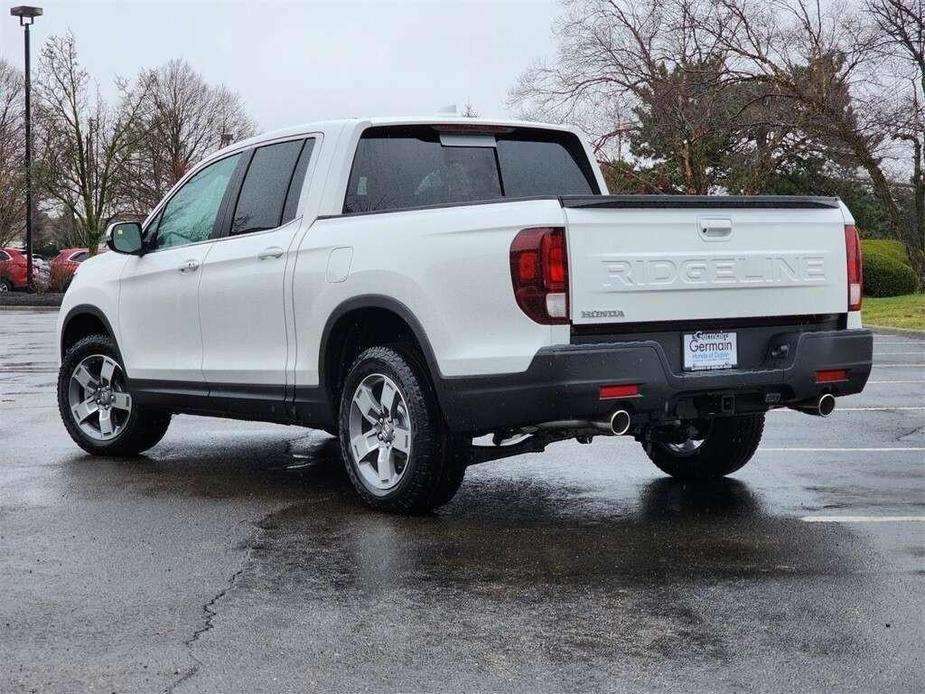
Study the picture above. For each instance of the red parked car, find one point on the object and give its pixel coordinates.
(64, 265)
(12, 269)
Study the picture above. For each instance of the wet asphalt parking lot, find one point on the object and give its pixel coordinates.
(234, 557)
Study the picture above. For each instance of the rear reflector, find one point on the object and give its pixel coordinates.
(611, 392)
(831, 375)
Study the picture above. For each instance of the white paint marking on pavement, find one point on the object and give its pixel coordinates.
(879, 382)
(918, 352)
(863, 519)
(842, 450)
(893, 366)
(885, 408)
(880, 409)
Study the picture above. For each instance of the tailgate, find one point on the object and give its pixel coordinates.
(639, 259)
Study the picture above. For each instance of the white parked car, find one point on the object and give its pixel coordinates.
(412, 285)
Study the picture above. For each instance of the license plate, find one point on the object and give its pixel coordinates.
(705, 351)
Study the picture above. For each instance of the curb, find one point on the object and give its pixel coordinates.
(22, 307)
(24, 300)
(905, 332)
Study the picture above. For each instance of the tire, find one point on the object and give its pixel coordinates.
(414, 466)
(5, 286)
(132, 430)
(728, 444)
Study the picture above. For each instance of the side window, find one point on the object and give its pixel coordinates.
(151, 229)
(190, 214)
(298, 179)
(263, 194)
(79, 257)
(3, 256)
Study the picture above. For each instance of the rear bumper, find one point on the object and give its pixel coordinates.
(562, 383)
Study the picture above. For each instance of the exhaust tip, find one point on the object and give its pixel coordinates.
(826, 404)
(620, 422)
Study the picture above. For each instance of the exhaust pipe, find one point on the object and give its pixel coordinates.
(822, 406)
(620, 422)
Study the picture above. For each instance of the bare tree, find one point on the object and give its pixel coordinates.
(827, 63)
(610, 53)
(653, 73)
(85, 144)
(902, 33)
(721, 94)
(469, 110)
(183, 119)
(12, 136)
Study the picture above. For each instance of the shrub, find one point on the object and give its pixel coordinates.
(888, 247)
(886, 276)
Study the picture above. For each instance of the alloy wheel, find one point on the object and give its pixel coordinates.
(380, 432)
(97, 398)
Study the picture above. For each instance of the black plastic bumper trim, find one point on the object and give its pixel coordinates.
(562, 382)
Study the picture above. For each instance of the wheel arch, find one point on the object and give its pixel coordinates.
(83, 320)
(367, 319)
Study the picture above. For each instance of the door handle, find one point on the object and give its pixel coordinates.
(190, 265)
(271, 252)
(715, 229)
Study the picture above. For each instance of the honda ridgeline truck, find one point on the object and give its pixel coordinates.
(440, 293)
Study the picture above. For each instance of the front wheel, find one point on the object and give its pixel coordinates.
(712, 448)
(96, 407)
(397, 451)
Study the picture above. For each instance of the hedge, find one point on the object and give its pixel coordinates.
(884, 275)
(889, 247)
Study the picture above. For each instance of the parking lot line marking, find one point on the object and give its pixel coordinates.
(885, 408)
(863, 519)
(843, 450)
(878, 382)
(893, 366)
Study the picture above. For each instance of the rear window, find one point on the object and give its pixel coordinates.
(401, 167)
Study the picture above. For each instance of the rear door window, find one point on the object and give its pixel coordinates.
(262, 201)
(402, 167)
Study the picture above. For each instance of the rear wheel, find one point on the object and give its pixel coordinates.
(710, 449)
(5, 286)
(95, 405)
(395, 445)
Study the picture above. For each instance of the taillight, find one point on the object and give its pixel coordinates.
(539, 271)
(855, 267)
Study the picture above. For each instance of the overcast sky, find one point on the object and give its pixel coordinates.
(301, 61)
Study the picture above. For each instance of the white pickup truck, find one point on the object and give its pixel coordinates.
(415, 286)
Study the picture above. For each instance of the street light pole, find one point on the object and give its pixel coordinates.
(27, 16)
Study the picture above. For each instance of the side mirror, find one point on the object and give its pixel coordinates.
(125, 237)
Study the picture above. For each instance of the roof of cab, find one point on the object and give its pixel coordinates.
(363, 123)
